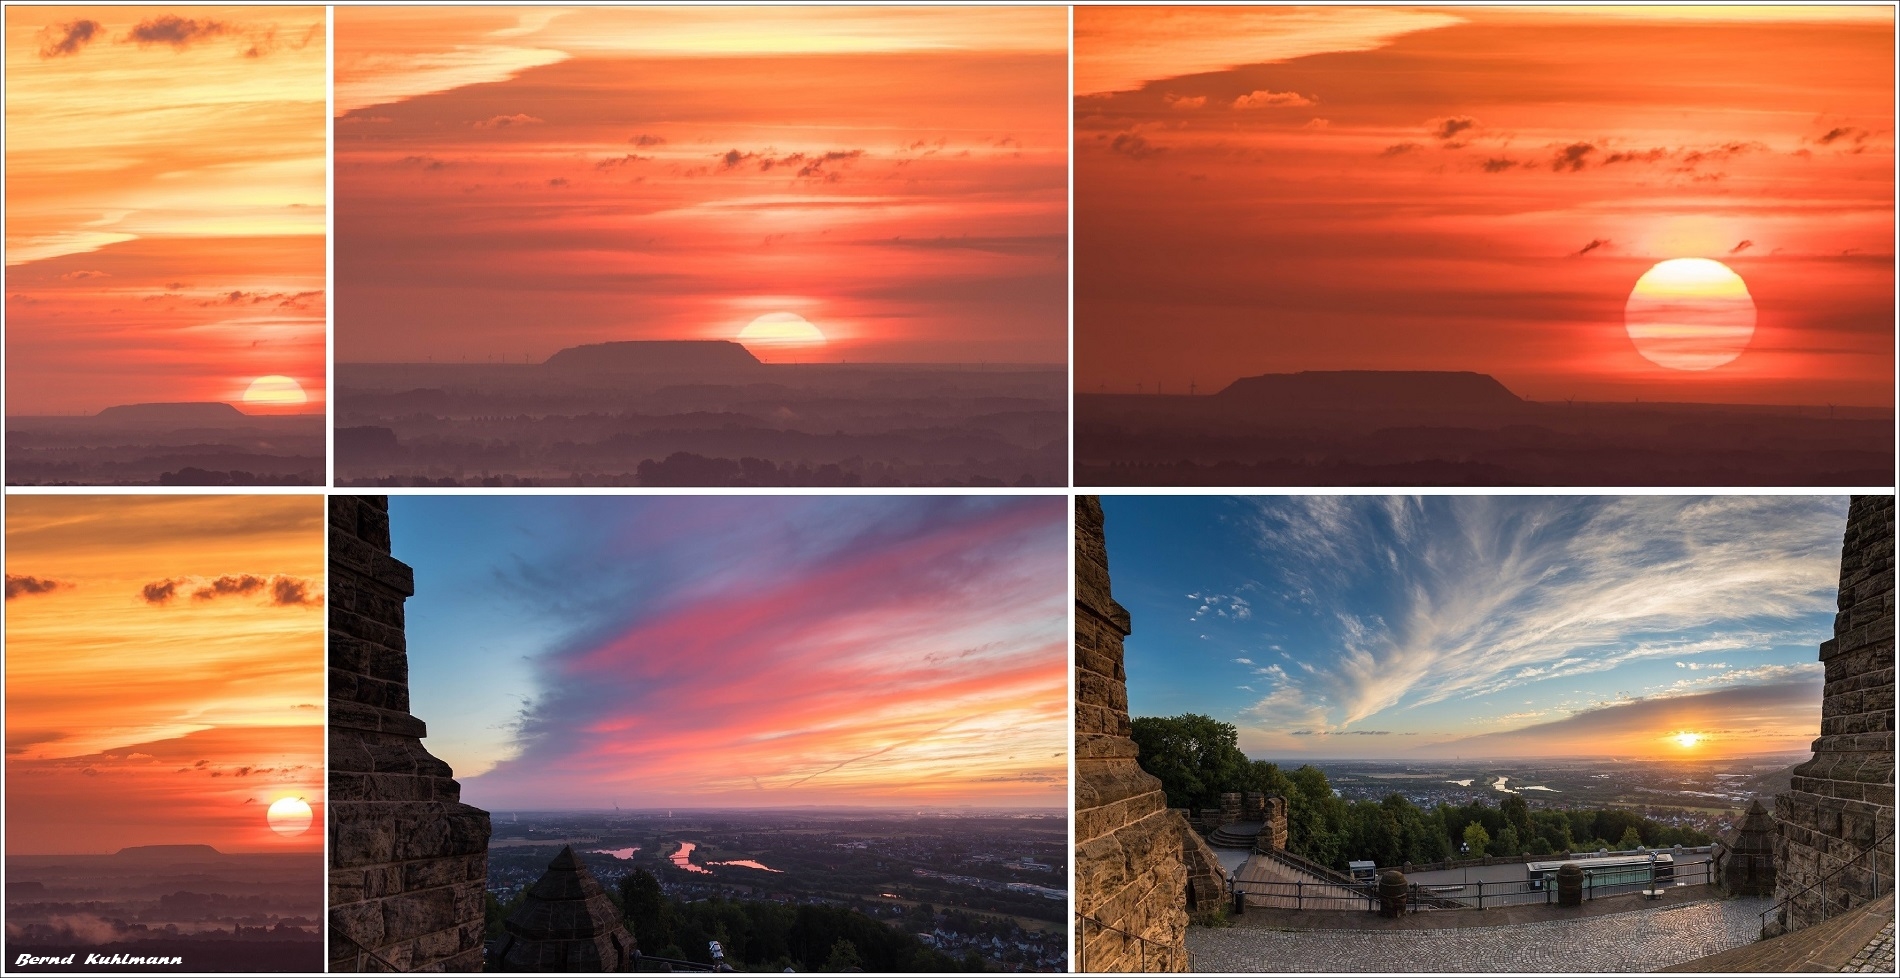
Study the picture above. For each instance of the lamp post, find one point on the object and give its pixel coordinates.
(1464, 850)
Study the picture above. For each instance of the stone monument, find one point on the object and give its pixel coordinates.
(1835, 850)
(1745, 862)
(408, 860)
(565, 923)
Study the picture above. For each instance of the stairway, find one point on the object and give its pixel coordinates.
(1235, 835)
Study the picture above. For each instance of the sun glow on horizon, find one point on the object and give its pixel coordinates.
(1687, 739)
(1690, 314)
(289, 817)
(781, 332)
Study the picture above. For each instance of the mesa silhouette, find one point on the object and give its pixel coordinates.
(698, 413)
(177, 443)
(217, 911)
(1429, 428)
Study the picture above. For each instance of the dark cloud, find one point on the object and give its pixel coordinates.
(1634, 156)
(1744, 246)
(1400, 149)
(292, 591)
(1498, 164)
(159, 592)
(19, 740)
(809, 165)
(174, 30)
(241, 584)
(1571, 157)
(1448, 129)
(21, 584)
(507, 121)
(1594, 244)
(558, 182)
(426, 162)
(1133, 146)
(1839, 133)
(732, 158)
(1768, 703)
(1342, 733)
(1719, 154)
(57, 40)
(83, 274)
(609, 164)
(644, 139)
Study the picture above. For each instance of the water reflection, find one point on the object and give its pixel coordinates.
(683, 859)
(747, 863)
(626, 853)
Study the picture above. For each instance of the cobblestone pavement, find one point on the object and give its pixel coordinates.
(1638, 940)
(1877, 956)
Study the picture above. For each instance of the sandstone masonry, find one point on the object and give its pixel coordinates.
(1837, 822)
(408, 860)
(1140, 870)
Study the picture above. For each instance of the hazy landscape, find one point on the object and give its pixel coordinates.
(958, 882)
(194, 443)
(698, 413)
(1427, 428)
(218, 911)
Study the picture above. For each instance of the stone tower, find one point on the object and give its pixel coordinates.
(1837, 822)
(1131, 879)
(408, 860)
(1745, 862)
(566, 923)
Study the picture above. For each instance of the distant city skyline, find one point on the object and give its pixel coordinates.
(1364, 627)
(732, 652)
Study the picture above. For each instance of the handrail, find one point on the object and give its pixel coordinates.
(1822, 882)
(363, 952)
(1081, 943)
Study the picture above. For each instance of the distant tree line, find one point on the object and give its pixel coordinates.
(759, 935)
(1197, 758)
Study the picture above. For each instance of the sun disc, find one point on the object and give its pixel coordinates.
(1688, 739)
(289, 816)
(274, 389)
(781, 331)
(1690, 314)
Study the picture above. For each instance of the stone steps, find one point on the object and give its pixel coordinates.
(1827, 946)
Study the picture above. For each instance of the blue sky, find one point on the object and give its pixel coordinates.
(728, 651)
(1385, 626)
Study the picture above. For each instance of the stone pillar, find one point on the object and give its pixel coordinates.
(1392, 893)
(1745, 862)
(1569, 885)
(1253, 807)
(1837, 822)
(1273, 832)
(408, 860)
(1131, 880)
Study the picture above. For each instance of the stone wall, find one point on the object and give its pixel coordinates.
(408, 860)
(1842, 800)
(1131, 886)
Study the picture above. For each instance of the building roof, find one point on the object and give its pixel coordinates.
(566, 923)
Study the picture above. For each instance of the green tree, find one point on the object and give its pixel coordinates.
(1632, 839)
(1477, 840)
(844, 954)
(1507, 844)
(1517, 814)
(1195, 757)
(646, 908)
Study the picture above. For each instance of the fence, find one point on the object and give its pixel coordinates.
(1827, 907)
(1475, 895)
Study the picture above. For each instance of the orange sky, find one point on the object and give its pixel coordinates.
(165, 204)
(512, 182)
(1264, 190)
(142, 714)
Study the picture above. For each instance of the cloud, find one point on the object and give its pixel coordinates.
(1498, 164)
(608, 164)
(83, 274)
(242, 584)
(159, 592)
(507, 121)
(175, 30)
(807, 165)
(1744, 246)
(645, 139)
(20, 584)
(1244, 662)
(1263, 99)
(1400, 149)
(292, 591)
(1184, 102)
(1485, 594)
(1738, 713)
(58, 40)
(1571, 157)
(1594, 244)
(1447, 130)
(1134, 146)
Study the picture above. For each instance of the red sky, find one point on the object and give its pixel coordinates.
(1273, 190)
(513, 182)
(106, 748)
(165, 204)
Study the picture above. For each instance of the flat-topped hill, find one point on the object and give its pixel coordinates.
(176, 413)
(655, 356)
(1359, 390)
(172, 853)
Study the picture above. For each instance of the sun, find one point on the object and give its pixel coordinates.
(1686, 739)
(274, 390)
(1690, 314)
(781, 332)
(289, 817)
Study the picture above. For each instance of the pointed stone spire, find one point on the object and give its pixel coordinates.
(567, 923)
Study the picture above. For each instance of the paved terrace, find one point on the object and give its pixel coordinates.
(1610, 934)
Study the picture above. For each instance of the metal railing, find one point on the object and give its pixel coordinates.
(649, 962)
(1827, 907)
(1476, 895)
(1163, 955)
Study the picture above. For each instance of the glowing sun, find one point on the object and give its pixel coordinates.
(1687, 739)
(1690, 314)
(780, 332)
(289, 816)
(274, 390)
